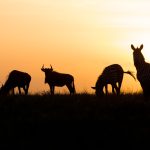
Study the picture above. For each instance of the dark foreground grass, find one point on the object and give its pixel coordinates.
(81, 121)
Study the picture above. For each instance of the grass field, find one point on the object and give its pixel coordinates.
(81, 121)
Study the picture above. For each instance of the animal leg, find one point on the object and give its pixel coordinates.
(119, 85)
(26, 87)
(13, 91)
(73, 88)
(70, 88)
(113, 89)
(19, 89)
(26, 91)
(117, 89)
(106, 89)
(52, 90)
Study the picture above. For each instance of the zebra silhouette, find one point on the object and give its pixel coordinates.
(113, 75)
(143, 69)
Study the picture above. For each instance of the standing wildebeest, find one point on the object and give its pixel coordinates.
(143, 69)
(112, 74)
(16, 79)
(58, 79)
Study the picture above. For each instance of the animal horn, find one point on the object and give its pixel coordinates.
(43, 66)
(93, 88)
(51, 66)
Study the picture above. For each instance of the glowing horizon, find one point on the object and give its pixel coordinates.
(79, 37)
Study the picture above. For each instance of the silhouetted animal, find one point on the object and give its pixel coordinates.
(112, 74)
(143, 69)
(16, 79)
(58, 79)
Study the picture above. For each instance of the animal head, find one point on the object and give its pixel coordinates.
(137, 49)
(137, 55)
(99, 87)
(46, 70)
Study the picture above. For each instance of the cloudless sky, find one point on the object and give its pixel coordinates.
(79, 37)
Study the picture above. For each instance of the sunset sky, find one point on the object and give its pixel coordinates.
(79, 37)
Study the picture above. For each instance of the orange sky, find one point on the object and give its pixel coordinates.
(79, 37)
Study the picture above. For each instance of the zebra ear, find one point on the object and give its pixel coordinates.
(133, 48)
(141, 47)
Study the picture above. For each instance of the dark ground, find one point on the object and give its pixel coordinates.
(74, 122)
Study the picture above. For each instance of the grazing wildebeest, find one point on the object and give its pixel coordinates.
(16, 79)
(113, 75)
(143, 69)
(54, 78)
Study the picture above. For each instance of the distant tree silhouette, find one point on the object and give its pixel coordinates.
(143, 69)
(113, 75)
(54, 78)
(16, 79)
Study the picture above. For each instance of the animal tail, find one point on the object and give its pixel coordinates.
(130, 73)
(73, 86)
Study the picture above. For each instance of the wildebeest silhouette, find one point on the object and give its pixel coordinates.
(54, 78)
(113, 75)
(143, 69)
(16, 79)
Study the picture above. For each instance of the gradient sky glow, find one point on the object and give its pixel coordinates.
(79, 37)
